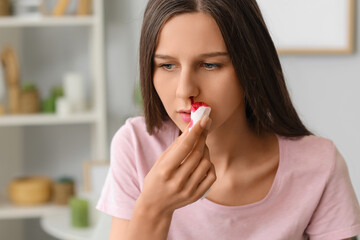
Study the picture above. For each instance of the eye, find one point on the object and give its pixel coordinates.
(167, 66)
(211, 66)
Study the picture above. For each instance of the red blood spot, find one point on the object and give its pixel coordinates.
(196, 105)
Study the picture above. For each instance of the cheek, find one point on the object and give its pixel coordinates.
(164, 90)
(226, 99)
(159, 85)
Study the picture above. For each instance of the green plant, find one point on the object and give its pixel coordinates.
(29, 87)
(57, 92)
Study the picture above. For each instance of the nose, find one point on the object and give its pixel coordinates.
(187, 86)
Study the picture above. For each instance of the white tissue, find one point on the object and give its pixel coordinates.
(200, 113)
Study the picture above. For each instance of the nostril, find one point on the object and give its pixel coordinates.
(192, 100)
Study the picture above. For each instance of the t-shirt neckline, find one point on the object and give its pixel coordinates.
(274, 188)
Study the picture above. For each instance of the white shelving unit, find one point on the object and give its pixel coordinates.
(10, 30)
(10, 211)
(9, 22)
(47, 119)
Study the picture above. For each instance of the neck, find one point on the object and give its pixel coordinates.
(234, 142)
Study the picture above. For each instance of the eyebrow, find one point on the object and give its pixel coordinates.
(212, 54)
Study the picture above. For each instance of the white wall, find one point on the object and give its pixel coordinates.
(123, 21)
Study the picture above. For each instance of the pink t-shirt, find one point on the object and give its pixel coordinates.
(311, 195)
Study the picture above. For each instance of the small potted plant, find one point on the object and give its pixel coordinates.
(29, 99)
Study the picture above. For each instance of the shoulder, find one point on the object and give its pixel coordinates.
(311, 154)
(131, 126)
(134, 132)
(310, 146)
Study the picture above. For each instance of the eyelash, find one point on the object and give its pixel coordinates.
(211, 66)
(208, 66)
(166, 66)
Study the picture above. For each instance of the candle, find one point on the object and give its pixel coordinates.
(63, 107)
(74, 91)
(79, 212)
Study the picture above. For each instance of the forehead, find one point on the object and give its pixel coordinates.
(190, 33)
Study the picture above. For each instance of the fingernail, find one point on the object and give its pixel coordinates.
(203, 122)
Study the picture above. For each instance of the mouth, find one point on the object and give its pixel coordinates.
(185, 115)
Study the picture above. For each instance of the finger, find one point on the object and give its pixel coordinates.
(186, 144)
(204, 186)
(192, 160)
(181, 136)
(176, 141)
(199, 174)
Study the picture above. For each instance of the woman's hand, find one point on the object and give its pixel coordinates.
(182, 174)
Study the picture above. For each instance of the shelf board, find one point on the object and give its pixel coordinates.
(11, 211)
(44, 21)
(58, 225)
(46, 119)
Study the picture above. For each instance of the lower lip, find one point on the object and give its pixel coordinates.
(186, 117)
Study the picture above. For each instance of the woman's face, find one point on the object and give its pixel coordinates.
(191, 62)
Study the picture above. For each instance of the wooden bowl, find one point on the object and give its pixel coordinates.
(30, 190)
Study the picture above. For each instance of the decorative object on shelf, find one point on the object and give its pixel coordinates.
(74, 91)
(2, 90)
(29, 99)
(79, 212)
(30, 190)
(60, 8)
(27, 8)
(84, 7)
(11, 66)
(63, 107)
(46, 7)
(63, 190)
(4, 7)
(49, 104)
(94, 173)
(57, 92)
(332, 33)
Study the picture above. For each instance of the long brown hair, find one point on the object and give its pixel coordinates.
(252, 52)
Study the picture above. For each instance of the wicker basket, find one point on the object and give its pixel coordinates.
(62, 192)
(4, 7)
(29, 102)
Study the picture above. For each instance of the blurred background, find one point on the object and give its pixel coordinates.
(68, 81)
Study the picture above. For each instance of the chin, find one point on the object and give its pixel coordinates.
(179, 123)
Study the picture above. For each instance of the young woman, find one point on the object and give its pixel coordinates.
(269, 177)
